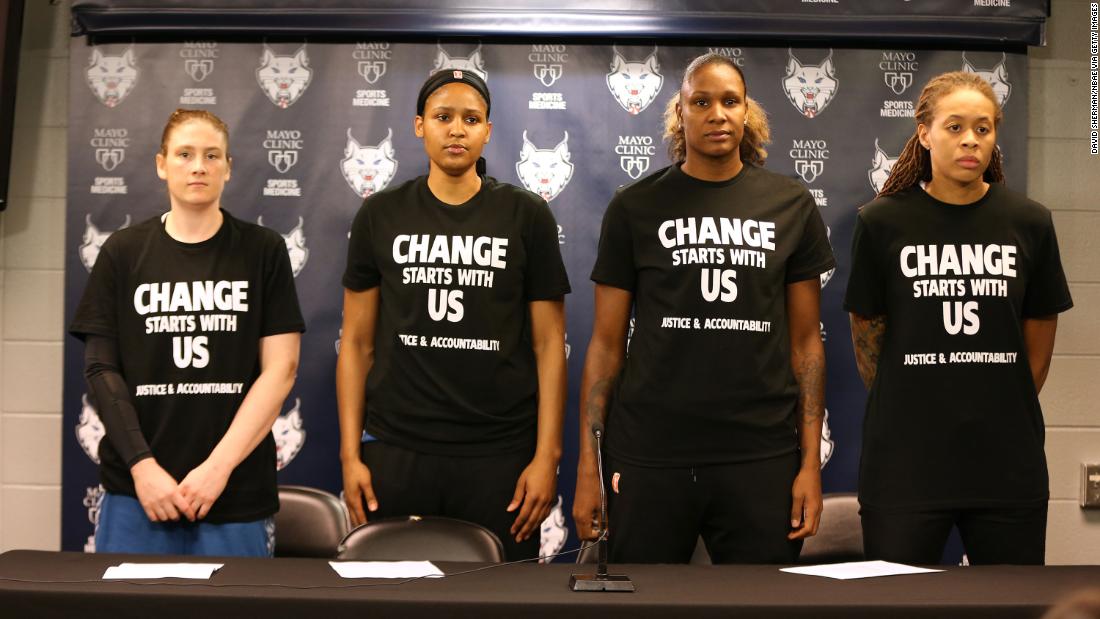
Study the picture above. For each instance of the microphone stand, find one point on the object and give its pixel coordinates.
(601, 580)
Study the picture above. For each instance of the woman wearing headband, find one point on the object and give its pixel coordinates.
(451, 373)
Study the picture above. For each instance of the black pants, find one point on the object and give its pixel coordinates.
(991, 536)
(472, 488)
(742, 511)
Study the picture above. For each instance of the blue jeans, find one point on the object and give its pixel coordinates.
(124, 527)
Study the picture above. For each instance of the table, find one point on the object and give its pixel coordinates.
(67, 584)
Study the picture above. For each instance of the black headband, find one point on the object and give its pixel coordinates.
(450, 76)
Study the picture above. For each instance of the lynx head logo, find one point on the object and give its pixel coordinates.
(93, 241)
(368, 169)
(89, 429)
(810, 88)
(881, 166)
(827, 275)
(109, 158)
(289, 435)
(635, 84)
(473, 63)
(284, 78)
(198, 68)
(545, 171)
(827, 444)
(997, 78)
(295, 245)
(552, 533)
(112, 78)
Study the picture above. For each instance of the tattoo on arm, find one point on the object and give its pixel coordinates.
(867, 336)
(599, 402)
(809, 371)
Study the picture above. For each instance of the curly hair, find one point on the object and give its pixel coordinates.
(757, 133)
(915, 163)
(181, 116)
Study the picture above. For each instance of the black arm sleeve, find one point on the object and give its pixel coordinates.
(112, 398)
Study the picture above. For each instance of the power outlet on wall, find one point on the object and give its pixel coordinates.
(1090, 486)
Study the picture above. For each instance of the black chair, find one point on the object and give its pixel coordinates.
(590, 554)
(310, 523)
(840, 537)
(421, 538)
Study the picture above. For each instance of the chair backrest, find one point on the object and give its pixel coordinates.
(590, 554)
(310, 523)
(840, 537)
(421, 538)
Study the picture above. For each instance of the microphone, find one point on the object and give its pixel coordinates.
(601, 580)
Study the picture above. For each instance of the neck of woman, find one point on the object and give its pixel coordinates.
(454, 189)
(952, 192)
(191, 225)
(712, 168)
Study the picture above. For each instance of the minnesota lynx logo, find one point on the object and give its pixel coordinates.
(827, 444)
(93, 241)
(89, 429)
(635, 84)
(472, 63)
(810, 88)
(93, 500)
(545, 171)
(295, 245)
(368, 169)
(112, 78)
(552, 533)
(284, 78)
(997, 78)
(289, 435)
(881, 166)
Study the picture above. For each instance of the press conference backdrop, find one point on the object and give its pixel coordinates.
(316, 127)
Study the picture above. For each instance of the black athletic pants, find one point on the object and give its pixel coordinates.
(991, 536)
(472, 488)
(742, 511)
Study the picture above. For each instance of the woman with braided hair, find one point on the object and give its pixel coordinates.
(954, 296)
(715, 425)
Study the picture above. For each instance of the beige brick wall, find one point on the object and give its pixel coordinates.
(32, 241)
(1062, 175)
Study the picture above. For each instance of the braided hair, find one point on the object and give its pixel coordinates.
(915, 163)
(757, 133)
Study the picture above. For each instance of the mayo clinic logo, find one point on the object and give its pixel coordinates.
(198, 58)
(548, 63)
(93, 500)
(372, 60)
(110, 146)
(282, 148)
(809, 158)
(733, 53)
(898, 69)
(635, 153)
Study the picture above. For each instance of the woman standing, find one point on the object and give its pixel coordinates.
(715, 427)
(451, 373)
(191, 328)
(954, 294)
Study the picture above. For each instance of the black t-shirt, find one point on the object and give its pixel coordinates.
(454, 372)
(953, 419)
(188, 318)
(708, 378)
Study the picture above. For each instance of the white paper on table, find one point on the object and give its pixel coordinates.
(386, 569)
(135, 571)
(858, 569)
